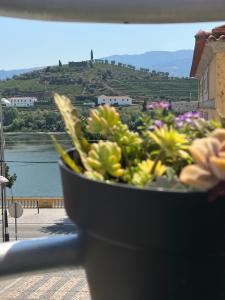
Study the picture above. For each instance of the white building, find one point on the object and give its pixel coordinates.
(110, 100)
(22, 101)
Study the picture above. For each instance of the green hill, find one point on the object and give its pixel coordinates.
(82, 81)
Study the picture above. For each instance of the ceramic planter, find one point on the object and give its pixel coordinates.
(148, 244)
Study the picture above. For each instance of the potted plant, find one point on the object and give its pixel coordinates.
(149, 203)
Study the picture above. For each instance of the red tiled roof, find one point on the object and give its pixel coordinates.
(201, 37)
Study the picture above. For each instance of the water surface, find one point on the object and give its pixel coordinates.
(34, 160)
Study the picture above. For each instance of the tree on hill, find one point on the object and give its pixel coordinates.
(60, 64)
(10, 114)
(92, 55)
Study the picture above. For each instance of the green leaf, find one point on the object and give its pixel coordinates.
(66, 158)
(72, 124)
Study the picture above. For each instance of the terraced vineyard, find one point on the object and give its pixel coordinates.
(84, 81)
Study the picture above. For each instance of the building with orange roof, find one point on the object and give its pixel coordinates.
(208, 66)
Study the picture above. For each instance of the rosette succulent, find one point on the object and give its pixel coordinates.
(104, 158)
(102, 120)
(170, 142)
(209, 155)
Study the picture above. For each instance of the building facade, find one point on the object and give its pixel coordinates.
(208, 66)
(114, 100)
(22, 101)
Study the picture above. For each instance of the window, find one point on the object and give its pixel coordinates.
(201, 88)
(205, 82)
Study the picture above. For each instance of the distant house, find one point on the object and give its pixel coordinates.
(22, 101)
(208, 66)
(112, 100)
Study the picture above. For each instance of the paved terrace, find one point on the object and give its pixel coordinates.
(61, 285)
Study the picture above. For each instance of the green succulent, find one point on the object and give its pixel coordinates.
(94, 175)
(147, 171)
(144, 172)
(140, 178)
(105, 157)
(102, 120)
(130, 142)
(170, 142)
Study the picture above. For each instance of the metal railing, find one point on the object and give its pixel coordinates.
(117, 11)
(41, 253)
(37, 202)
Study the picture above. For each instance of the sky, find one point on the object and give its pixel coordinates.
(26, 43)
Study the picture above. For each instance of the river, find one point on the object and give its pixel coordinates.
(32, 157)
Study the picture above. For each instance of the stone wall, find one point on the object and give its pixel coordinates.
(184, 106)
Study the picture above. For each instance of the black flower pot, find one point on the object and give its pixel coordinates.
(148, 244)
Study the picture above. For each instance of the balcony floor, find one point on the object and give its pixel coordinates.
(63, 285)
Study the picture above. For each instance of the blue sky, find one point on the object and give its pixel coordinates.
(25, 43)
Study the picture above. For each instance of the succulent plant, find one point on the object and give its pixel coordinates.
(94, 175)
(170, 142)
(147, 170)
(130, 142)
(209, 155)
(102, 120)
(161, 155)
(104, 157)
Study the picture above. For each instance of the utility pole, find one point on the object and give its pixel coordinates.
(5, 233)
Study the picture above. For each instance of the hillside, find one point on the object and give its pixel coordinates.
(177, 63)
(83, 82)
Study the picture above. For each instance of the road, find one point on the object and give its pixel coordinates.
(48, 222)
(27, 231)
(61, 285)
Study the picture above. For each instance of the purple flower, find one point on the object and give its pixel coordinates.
(158, 123)
(164, 104)
(187, 117)
(179, 124)
(149, 106)
(192, 115)
(158, 105)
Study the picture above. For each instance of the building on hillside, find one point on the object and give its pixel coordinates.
(208, 66)
(114, 100)
(22, 101)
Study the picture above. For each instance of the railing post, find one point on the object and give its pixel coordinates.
(38, 206)
(6, 226)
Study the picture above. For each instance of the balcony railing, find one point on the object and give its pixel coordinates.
(37, 202)
(207, 104)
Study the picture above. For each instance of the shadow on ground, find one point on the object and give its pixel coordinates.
(63, 226)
